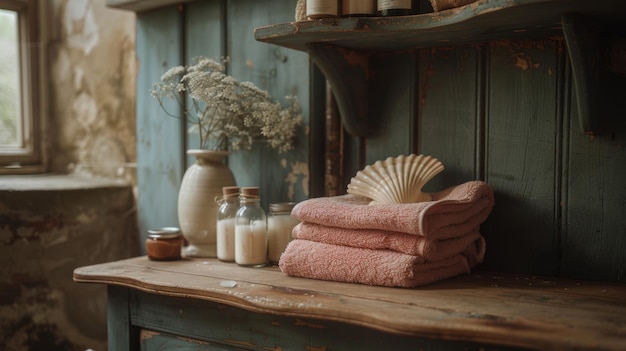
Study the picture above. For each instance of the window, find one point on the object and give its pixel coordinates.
(20, 46)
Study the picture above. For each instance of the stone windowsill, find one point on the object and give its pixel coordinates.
(142, 5)
(43, 182)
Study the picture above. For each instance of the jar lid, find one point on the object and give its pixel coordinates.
(282, 207)
(164, 233)
(229, 191)
(251, 191)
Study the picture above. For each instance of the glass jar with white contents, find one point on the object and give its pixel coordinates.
(226, 212)
(250, 230)
(279, 227)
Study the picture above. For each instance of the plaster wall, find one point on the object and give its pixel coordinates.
(84, 211)
(92, 89)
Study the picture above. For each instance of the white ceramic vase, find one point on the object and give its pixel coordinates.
(197, 209)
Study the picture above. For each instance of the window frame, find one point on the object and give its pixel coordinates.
(29, 158)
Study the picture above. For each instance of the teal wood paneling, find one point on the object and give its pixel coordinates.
(151, 340)
(317, 133)
(450, 112)
(280, 71)
(503, 114)
(204, 30)
(522, 156)
(497, 111)
(122, 336)
(204, 36)
(593, 245)
(391, 104)
(160, 152)
(169, 36)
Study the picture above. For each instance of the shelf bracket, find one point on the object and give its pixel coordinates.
(583, 45)
(347, 71)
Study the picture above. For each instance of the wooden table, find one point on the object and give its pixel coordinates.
(206, 304)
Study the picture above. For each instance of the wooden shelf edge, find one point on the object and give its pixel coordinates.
(483, 20)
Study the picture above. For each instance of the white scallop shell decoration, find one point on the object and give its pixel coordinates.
(396, 180)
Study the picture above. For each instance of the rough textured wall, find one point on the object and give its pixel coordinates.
(51, 224)
(92, 71)
(48, 227)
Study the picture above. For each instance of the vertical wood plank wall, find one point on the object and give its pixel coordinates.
(282, 72)
(503, 112)
(175, 35)
(204, 35)
(160, 148)
(522, 153)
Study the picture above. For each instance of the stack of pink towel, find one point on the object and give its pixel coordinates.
(343, 238)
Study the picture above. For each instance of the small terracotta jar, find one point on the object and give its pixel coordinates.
(164, 244)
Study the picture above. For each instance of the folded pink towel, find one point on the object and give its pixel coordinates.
(430, 250)
(454, 210)
(310, 259)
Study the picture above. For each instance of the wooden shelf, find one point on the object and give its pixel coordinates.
(498, 308)
(484, 20)
(343, 48)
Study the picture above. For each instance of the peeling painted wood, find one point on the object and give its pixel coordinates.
(281, 72)
(504, 112)
(521, 161)
(154, 340)
(160, 146)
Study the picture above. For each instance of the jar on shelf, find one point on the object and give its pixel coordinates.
(226, 212)
(316, 9)
(358, 8)
(164, 244)
(397, 7)
(250, 230)
(279, 227)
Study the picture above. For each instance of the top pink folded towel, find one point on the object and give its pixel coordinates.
(458, 207)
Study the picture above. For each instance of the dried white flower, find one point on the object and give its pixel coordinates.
(227, 114)
(172, 74)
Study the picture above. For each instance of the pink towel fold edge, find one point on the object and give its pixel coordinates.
(468, 201)
(430, 250)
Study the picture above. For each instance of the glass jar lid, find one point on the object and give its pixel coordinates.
(250, 192)
(229, 191)
(282, 207)
(164, 233)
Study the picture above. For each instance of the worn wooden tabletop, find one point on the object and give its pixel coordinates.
(498, 308)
